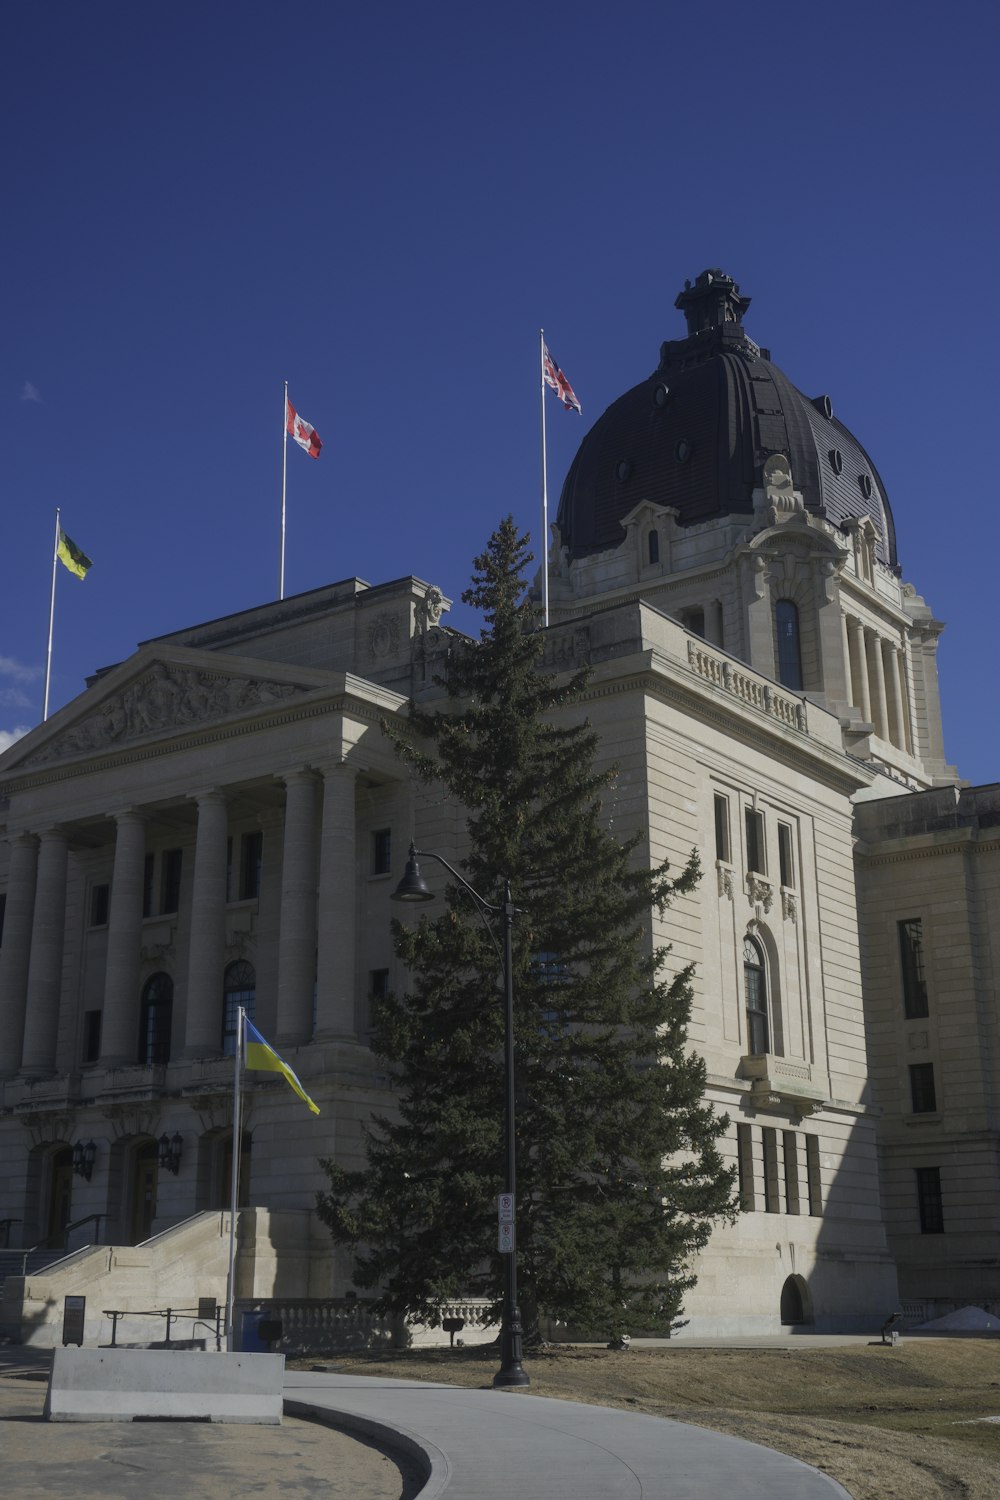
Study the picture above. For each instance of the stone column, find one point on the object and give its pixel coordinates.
(337, 914)
(896, 698)
(41, 1021)
(859, 664)
(15, 951)
(297, 937)
(120, 1021)
(874, 643)
(759, 615)
(207, 945)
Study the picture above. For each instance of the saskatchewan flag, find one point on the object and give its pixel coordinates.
(71, 557)
(261, 1057)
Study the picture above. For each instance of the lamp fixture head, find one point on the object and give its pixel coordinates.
(413, 886)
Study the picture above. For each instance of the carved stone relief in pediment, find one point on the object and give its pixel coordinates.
(164, 699)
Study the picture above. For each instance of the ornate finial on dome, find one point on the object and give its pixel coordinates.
(713, 300)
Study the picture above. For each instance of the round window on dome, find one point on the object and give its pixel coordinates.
(836, 461)
(865, 484)
(825, 405)
(661, 395)
(623, 469)
(683, 451)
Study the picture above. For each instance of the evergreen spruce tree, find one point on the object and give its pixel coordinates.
(619, 1175)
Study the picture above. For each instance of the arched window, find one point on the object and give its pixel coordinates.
(239, 987)
(755, 988)
(786, 619)
(156, 1018)
(654, 546)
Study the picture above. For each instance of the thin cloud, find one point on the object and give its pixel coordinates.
(30, 392)
(10, 737)
(17, 670)
(14, 698)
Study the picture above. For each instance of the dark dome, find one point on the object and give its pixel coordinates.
(696, 434)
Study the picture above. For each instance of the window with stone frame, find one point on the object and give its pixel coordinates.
(156, 1019)
(786, 623)
(923, 1095)
(911, 960)
(239, 988)
(755, 992)
(930, 1206)
(251, 857)
(382, 851)
(786, 862)
(100, 896)
(722, 844)
(756, 848)
(171, 862)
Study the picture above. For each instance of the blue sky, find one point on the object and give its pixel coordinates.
(383, 202)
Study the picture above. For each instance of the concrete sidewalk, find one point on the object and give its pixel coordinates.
(449, 1444)
(489, 1445)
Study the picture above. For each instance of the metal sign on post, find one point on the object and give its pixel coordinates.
(74, 1316)
(505, 1239)
(505, 1208)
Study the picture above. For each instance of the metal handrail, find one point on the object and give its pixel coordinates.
(170, 1313)
(62, 1234)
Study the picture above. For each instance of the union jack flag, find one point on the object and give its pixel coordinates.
(557, 380)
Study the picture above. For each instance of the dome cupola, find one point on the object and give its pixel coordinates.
(697, 433)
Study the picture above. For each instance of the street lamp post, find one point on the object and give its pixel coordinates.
(414, 888)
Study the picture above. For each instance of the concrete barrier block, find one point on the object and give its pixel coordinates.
(121, 1385)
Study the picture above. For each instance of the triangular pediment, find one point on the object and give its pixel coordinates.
(161, 692)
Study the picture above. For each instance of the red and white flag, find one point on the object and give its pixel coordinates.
(303, 432)
(557, 380)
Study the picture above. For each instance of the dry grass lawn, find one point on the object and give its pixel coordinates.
(889, 1424)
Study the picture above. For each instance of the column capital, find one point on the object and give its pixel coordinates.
(210, 796)
(298, 776)
(128, 815)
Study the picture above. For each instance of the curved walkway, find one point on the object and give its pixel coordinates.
(490, 1445)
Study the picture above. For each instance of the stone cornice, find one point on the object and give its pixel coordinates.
(734, 716)
(954, 841)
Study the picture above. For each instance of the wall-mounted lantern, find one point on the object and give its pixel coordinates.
(83, 1159)
(170, 1152)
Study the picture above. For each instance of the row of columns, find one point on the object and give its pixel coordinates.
(314, 956)
(879, 682)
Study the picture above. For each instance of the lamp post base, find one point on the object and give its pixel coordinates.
(511, 1372)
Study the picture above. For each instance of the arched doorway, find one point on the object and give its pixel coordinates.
(60, 1201)
(142, 1191)
(795, 1303)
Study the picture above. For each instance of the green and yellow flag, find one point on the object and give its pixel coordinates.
(71, 557)
(258, 1054)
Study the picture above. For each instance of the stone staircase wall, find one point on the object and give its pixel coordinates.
(278, 1254)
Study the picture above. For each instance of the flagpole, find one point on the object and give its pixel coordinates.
(234, 1182)
(284, 478)
(52, 616)
(545, 483)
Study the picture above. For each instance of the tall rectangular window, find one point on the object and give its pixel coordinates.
(813, 1176)
(772, 1204)
(99, 896)
(147, 885)
(923, 1096)
(229, 869)
(755, 842)
(382, 851)
(929, 1203)
(91, 1035)
(722, 827)
(785, 861)
(170, 880)
(3, 909)
(251, 851)
(744, 1162)
(911, 958)
(791, 1154)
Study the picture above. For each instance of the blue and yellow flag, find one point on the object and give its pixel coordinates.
(261, 1056)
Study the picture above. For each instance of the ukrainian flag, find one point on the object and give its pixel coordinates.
(261, 1057)
(71, 556)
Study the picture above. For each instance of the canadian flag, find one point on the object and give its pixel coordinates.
(303, 432)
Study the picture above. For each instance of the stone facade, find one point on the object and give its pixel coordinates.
(929, 897)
